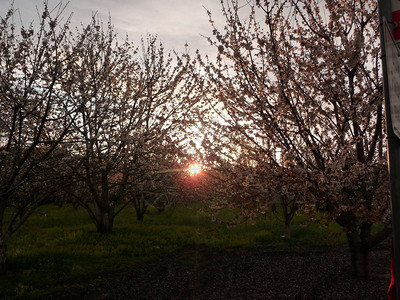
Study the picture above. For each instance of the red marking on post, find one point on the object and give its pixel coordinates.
(396, 21)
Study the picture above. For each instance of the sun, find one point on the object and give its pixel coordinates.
(194, 169)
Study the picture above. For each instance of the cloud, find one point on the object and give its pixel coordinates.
(176, 22)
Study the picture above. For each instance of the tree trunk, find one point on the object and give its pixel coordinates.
(104, 211)
(360, 256)
(361, 263)
(140, 206)
(140, 215)
(3, 251)
(287, 230)
(289, 208)
(105, 223)
(104, 219)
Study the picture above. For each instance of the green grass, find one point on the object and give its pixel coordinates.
(60, 247)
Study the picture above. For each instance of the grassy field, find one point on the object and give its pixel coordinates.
(59, 247)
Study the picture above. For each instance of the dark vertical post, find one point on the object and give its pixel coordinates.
(393, 146)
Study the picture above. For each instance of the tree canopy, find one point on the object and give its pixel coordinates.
(303, 78)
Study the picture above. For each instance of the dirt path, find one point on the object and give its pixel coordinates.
(257, 273)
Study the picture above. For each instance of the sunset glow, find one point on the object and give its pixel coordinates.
(194, 169)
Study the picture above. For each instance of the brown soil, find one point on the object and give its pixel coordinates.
(256, 273)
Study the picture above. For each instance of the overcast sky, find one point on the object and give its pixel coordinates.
(176, 22)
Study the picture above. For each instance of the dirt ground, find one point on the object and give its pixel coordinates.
(257, 273)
